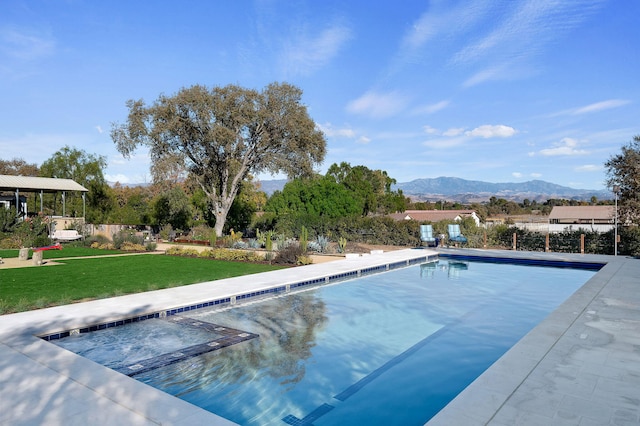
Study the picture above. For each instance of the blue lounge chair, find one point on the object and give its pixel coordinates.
(426, 235)
(455, 235)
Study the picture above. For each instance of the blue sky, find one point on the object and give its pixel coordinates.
(499, 91)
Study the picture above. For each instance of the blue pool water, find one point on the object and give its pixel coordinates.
(387, 349)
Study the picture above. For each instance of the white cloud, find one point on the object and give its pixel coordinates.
(445, 142)
(432, 108)
(566, 147)
(588, 168)
(536, 175)
(492, 131)
(430, 130)
(524, 29)
(454, 131)
(305, 54)
(99, 129)
(378, 105)
(330, 131)
(363, 140)
(600, 106)
(517, 175)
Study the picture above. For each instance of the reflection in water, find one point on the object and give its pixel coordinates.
(453, 268)
(287, 328)
(392, 348)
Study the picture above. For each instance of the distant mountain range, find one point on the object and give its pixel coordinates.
(469, 191)
(456, 189)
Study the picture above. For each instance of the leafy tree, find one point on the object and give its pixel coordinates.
(244, 207)
(371, 188)
(174, 208)
(317, 197)
(223, 134)
(18, 167)
(85, 169)
(623, 173)
(132, 205)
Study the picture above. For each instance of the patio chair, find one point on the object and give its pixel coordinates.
(426, 235)
(455, 235)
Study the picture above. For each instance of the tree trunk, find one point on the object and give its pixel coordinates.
(221, 215)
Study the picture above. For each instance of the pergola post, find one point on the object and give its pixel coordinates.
(64, 212)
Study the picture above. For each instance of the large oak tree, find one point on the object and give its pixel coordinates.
(221, 135)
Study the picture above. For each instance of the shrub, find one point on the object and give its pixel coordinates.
(11, 242)
(230, 255)
(125, 236)
(166, 233)
(150, 246)
(289, 255)
(239, 245)
(96, 240)
(129, 246)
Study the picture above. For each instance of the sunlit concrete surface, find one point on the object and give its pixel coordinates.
(43, 384)
(580, 366)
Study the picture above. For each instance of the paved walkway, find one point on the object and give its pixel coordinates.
(580, 366)
(43, 384)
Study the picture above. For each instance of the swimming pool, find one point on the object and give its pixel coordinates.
(392, 348)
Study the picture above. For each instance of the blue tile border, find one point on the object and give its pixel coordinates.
(593, 266)
(274, 291)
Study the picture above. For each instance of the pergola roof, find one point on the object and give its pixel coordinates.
(31, 184)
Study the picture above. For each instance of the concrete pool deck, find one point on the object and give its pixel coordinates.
(580, 366)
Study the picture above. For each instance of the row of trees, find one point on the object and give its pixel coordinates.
(207, 143)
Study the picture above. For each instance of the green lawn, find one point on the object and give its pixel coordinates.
(23, 289)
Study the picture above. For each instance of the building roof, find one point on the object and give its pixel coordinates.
(582, 212)
(32, 184)
(432, 215)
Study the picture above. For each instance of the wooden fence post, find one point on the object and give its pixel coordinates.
(514, 240)
(546, 243)
(581, 243)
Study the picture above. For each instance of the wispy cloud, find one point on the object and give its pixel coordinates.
(446, 142)
(25, 44)
(588, 168)
(343, 132)
(378, 105)
(431, 108)
(566, 147)
(600, 106)
(526, 29)
(444, 22)
(305, 53)
(498, 37)
(329, 130)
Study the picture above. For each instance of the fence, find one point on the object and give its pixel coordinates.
(579, 241)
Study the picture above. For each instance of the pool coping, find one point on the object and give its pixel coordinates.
(53, 386)
(577, 367)
(45, 384)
